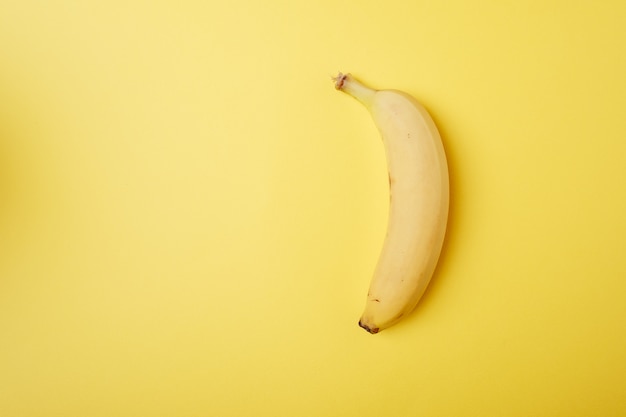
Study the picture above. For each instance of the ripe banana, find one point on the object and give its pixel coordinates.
(418, 208)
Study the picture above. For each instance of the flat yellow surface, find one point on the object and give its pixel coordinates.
(190, 213)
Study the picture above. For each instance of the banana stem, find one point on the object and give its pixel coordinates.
(348, 84)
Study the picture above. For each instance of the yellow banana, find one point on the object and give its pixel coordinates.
(418, 208)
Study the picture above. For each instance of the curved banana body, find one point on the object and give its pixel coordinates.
(418, 209)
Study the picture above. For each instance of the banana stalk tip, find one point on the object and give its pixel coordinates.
(339, 80)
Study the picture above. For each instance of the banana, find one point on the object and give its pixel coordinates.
(418, 207)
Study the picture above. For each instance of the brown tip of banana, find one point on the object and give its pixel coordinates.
(339, 80)
(373, 330)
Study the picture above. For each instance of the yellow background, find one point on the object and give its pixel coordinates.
(190, 213)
